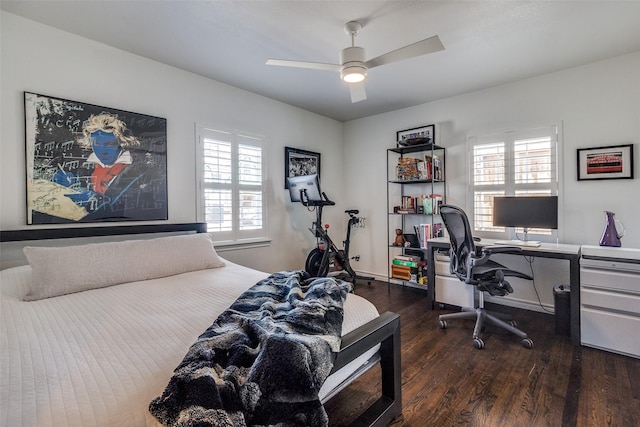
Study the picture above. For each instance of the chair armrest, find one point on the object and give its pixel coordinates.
(501, 249)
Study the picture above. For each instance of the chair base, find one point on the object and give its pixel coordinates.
(482, 316)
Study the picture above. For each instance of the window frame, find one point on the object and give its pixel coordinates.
(234, 238)
(509, 186)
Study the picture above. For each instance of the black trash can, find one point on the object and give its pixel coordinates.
(562, 301)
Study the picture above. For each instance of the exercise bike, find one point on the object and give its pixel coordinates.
(326, 253)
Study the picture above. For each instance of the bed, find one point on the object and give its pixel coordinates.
(99, 356)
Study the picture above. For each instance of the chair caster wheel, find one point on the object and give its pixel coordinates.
(527, 343)
(513, 323)
(443, 324)
(478, 343)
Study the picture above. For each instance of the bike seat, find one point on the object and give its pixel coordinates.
(352, 211)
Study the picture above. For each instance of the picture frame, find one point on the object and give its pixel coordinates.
(299, 162)
(87, 163)
(416, 136)
(610, 162)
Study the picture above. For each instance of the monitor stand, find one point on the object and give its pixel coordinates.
(525, 242)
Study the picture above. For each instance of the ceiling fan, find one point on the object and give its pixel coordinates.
(353, 67)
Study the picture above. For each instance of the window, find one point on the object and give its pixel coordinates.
(518, 163)
(232, 199)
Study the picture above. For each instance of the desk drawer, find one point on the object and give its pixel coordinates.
(442, 268)
(610, 331)
(450, 290)
(604, 299)
(608, 279)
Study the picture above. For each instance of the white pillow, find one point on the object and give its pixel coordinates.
(64, 270)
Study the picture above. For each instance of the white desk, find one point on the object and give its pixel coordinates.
(570, 253)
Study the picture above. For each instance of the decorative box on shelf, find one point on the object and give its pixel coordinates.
(401, 272)
(408, 169)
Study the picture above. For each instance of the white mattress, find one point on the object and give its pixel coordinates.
(98, 357)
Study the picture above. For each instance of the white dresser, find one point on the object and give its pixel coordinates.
(610, 299)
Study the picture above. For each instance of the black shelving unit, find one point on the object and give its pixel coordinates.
(411, 186)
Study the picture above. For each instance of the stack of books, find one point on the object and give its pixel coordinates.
(407, 206)
(405, 267)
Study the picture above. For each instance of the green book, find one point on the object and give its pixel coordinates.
(405, 263)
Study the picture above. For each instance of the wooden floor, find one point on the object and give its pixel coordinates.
(446, 382)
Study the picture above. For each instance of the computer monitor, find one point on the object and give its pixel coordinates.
(526, 212)
(310, 184)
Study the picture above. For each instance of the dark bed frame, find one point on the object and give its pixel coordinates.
(384, 330)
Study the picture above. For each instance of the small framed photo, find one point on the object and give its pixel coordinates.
(300, 162)
(612, 162)
(416, 136)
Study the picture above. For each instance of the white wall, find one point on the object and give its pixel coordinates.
(44, 60)
(598, 104)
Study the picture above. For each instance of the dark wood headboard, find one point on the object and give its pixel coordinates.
(73, 232)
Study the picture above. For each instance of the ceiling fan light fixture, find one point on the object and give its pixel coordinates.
(353, 68)
(353, 74)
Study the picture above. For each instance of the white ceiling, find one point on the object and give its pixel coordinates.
(487, 43)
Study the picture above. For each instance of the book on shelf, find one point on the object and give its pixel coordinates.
(410, 204)
(412, 264)
(407, 257)
(407, 202)
(426, 232)
(437, 230)
(432, 167)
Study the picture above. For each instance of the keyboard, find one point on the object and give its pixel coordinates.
(528, 243)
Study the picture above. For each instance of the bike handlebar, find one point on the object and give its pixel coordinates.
(324, 200)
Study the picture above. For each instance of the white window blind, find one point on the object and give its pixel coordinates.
(232, 183)
(517, 163)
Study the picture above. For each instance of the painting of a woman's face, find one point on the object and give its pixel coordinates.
(105, 146)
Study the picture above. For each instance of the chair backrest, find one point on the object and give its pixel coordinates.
(462, 245)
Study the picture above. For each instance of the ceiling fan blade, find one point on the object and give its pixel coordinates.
(304, 64)
(430, 45)
(357, 92)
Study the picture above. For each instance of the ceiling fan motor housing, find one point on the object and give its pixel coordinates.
(353, 68)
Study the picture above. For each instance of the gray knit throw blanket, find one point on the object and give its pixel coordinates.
(264, 359)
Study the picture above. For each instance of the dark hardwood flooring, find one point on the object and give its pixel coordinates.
(447, 382)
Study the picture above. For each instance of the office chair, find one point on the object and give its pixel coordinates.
(474, 267)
